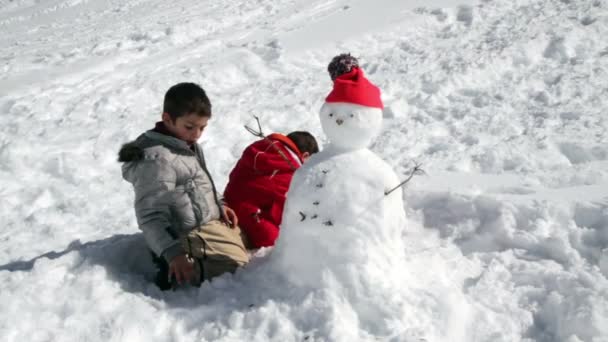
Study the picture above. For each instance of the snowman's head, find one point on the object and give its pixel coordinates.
(350, 126)
(352, 114)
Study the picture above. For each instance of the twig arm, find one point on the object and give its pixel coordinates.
(417, 170)
(257, 133)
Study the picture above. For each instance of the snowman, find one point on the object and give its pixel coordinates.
(339, 226)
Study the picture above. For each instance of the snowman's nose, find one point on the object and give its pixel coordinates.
(339, 121)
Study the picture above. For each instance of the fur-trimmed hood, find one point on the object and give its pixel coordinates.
(136, 150)
(130, 152)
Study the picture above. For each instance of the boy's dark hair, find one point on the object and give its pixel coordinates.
(304, 141)
(186, 98)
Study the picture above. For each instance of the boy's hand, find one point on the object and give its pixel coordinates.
(182, 267)
(230, 215)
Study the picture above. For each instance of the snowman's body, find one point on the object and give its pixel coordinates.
(338, 224)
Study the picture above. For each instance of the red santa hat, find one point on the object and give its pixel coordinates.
(353, 87)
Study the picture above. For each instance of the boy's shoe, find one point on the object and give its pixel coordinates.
(162, 275)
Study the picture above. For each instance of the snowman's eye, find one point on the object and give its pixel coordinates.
(331, 115)
(352, 115)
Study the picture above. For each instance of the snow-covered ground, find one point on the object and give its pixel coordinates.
(505, 103)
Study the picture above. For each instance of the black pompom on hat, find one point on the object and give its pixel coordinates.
(341, 64)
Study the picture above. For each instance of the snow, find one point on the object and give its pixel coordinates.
(503, 102)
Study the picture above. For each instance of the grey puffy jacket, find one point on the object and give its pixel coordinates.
(174, 192)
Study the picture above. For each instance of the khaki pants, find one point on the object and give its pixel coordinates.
(216, 249)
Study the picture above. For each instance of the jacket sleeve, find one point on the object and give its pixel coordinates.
(269, 157)
(154, 180)
(259, 229)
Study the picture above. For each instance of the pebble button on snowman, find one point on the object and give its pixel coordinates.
(337, 221)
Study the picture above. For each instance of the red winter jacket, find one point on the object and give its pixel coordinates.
(258, 184)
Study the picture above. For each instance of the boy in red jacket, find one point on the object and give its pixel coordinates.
(259, 181)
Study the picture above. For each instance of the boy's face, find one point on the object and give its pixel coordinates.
(187, 128)
(305, 156)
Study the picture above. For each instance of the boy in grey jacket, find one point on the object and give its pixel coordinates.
(193, 236)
